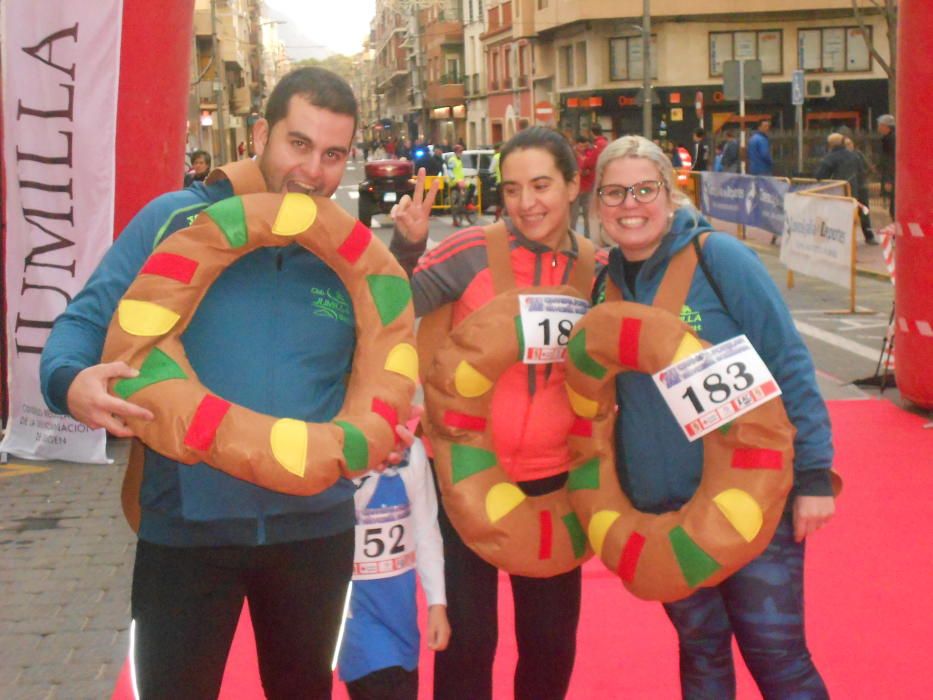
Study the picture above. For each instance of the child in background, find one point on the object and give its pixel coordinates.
(396, 532)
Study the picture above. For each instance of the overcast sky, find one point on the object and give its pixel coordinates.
(337, 26)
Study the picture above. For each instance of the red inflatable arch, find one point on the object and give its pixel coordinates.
(914, 252)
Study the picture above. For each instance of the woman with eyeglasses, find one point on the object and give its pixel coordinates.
(728, 293)
(530, 412)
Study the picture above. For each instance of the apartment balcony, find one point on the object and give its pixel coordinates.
(234, 52)
(448, 90)
(441, 34)
(241, 100)
(522, 81)
(202, 23)
(388, 77)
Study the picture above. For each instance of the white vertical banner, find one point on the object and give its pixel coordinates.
(61, 62)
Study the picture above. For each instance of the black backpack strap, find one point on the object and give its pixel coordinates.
(698, 243)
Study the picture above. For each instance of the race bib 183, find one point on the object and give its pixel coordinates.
(707, 390)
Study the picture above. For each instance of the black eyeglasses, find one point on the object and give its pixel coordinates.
(643, 192)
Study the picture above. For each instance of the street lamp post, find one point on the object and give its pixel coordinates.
(218, 85)
(646, 69)
(646, 96)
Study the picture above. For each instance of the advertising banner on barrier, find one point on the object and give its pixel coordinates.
(818, 237)
(745, 199)
(60, 75)
(724, 196)
(767, 196)
(751, 200)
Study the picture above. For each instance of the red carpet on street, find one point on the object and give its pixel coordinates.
(868, 587)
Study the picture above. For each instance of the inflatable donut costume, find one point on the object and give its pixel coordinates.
(535, 536)
(747, 464)
(192, 424)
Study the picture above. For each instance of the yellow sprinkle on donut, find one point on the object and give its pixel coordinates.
(688, 346)
(502, 499)
(599, 526)
(469, 382)
(145, 318)
(297, 213)
(289, 441)
(742, 511)
(403, 359)
(582, 406)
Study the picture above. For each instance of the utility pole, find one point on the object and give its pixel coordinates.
(218, 85)
(646, 69)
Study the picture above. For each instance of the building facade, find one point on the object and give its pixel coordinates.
(441, 27)
(591, 65)
(226, 77)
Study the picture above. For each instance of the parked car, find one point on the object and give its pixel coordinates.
(386, 182)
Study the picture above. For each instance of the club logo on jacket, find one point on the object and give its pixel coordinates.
(331, 304)
(692, 318)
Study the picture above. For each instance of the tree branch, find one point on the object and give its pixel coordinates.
(870, 44)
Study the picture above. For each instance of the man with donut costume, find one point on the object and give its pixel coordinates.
(276, 333)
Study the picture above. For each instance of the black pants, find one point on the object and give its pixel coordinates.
(547, 611)
(865, 219)
(393, 683)
(186, 602)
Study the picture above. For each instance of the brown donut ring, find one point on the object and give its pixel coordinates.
(747, 464)
(192, 424)
(535, 536)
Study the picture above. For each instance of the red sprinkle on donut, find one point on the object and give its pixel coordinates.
(207, 417)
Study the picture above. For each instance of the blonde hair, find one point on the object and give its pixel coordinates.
(835, 139)
(633, 146)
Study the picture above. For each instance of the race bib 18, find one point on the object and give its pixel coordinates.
(547, 321)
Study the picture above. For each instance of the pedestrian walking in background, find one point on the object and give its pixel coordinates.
(840, 163)
(759, 150)
(863, 195)
(581, 204)
(700, 150)
(730, 152)
(887, 163)
(200, 167)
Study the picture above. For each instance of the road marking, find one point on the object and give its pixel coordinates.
(10, 470)
(353, 194)
(837, 341)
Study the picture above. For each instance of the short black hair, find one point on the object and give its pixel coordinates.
(580, 138)
(596, 128)
(201, 154)
(699, 132)
(546, 139)
(319, 86)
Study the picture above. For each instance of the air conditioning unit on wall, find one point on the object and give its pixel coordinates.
(820, 87)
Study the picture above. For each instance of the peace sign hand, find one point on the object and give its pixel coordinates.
(412, 213)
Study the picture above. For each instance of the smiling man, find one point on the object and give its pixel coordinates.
(207, 541)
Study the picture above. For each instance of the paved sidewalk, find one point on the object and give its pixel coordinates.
(67, 560)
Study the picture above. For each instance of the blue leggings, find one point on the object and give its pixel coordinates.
(762, 604)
